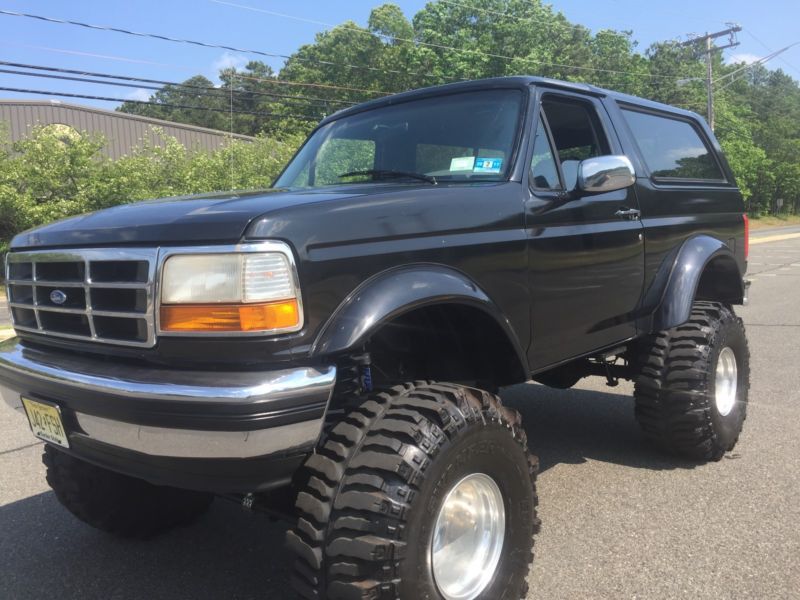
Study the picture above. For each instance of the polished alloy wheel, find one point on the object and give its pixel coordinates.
(726, 382)
(468, 537)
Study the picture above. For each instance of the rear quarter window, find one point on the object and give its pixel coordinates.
(672, 148)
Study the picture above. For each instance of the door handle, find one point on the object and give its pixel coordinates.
(631, 214)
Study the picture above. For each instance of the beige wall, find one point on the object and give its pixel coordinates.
(123, 132)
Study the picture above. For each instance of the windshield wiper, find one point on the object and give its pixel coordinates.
(389, 174)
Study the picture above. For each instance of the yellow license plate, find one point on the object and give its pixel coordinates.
(45, 420)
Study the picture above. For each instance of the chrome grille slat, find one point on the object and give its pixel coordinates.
(75, 284)
(33, 279)
(46, 282)
(80, 311)
(119, 285)
(118, 314)
(87, 300)
(132, 325)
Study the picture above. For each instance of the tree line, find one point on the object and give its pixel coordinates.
(758, 110)
(50, 175)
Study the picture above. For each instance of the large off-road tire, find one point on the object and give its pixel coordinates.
(685, 401)
(374, 491)
(118, 504)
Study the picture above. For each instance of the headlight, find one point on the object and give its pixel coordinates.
(229, 292)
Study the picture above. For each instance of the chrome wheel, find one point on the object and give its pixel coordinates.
(726, 382)
(468, 537)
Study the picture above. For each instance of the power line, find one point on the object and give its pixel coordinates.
(95, 55)
(322, 86)
(211, 91)
(82, 80)
(756, 63)
(710, 48)
(166, 38)
(768, 49)
(325, 86)
(391, 37)
(734, 127)
(117, 83)
(747, 66)
(183, 106)
(759, 61)
(345, 28)
(318, 61)
(480, 53)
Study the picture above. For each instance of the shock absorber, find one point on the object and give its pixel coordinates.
(354, 375)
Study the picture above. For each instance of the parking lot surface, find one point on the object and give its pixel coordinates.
(620, 519)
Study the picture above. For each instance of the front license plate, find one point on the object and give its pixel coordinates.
(45, 420)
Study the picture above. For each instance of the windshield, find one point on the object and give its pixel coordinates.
(460, 137)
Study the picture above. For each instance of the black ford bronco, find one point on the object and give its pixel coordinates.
(330, 350)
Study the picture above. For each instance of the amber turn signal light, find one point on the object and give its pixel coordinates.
(267, 316)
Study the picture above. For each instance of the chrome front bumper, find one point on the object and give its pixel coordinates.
(172, 413)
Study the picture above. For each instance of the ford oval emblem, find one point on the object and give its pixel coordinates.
(58, 297)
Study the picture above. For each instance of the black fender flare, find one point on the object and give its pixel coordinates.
(396, 291)
(683, 277)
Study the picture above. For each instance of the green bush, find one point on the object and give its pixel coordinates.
(50, 175)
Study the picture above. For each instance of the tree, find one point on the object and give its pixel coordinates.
(172, 101)
(758, 110)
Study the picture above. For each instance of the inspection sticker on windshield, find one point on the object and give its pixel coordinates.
(462, 163)
(488, 165)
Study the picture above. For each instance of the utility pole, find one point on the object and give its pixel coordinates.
(709, 50)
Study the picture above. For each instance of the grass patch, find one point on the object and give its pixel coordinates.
(770, 222)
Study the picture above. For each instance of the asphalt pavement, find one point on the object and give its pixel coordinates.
(760, 233)
(620, 519)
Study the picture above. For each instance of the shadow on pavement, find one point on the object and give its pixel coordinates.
(233, 554)
(229, 554)
(573, 426)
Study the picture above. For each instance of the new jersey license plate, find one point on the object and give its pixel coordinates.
(45, 420)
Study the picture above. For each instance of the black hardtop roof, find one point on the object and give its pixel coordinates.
(519, 81)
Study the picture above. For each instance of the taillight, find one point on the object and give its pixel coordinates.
(746, 236)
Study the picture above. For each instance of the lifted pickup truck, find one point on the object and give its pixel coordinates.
(331, 349)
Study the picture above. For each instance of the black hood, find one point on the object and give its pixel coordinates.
(206, 218)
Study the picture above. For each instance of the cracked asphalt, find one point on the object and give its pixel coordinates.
(620, 519)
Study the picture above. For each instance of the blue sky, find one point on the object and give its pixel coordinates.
(769, 25)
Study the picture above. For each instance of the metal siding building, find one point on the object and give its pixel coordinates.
(123, 132)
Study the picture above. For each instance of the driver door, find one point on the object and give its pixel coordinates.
(586, 259)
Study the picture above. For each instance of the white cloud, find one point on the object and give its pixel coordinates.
(228, 60)
(743, 57)
(138, 94)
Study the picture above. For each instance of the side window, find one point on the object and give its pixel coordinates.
(672, 148)
(577, 134)
(342, 155)
(544, 172)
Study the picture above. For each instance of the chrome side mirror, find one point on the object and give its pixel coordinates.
(605, 174)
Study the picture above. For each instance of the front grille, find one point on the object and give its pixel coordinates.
(102, 296)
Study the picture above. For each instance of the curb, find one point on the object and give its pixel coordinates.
(774, 238)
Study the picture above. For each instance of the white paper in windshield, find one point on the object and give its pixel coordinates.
(462, 163)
